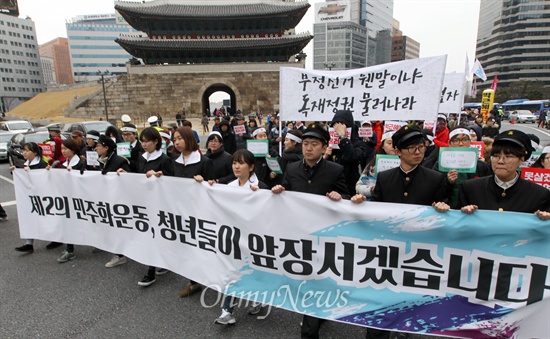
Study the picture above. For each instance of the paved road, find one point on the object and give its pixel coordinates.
(83, 299)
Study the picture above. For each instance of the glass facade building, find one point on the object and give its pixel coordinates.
(513, 40)
(93, 48)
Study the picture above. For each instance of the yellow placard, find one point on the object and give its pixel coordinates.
(487, 100)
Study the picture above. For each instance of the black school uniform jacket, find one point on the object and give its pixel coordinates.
(113, 163)
(222, 163)
(40, 164)
(163, 163)
(524, 196)
(76, 164)
(135, 155)
(327, 177)
(201, 167)
(422, 186)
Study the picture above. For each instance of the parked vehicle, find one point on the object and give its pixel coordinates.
(523, 116)
(16, 126)
(84, 127)
(4, 138)
(15, 145)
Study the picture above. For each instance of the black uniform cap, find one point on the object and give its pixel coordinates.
(405, 134)
(316, 131)
(518, 138)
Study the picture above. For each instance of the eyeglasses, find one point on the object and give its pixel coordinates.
(414, 149)
(460, 140)
(505, 158)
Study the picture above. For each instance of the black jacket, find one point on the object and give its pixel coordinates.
(524, 196)
(422, 186)
(222, 163)
(229, 142)
(292, 155)
(135, 155)
(162, 163)
(113, 163)
(327, 177)
(203, 167)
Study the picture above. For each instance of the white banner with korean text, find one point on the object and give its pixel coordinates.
(404, 90)
(393, 266)
(452, 93)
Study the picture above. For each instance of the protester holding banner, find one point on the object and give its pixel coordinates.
(153, 163)
(460, 138)
(129, 134)
(243, 169)
(221, 160)
(314, 175)
(351, 149)
(229, 143)
(544, 159)
(505, 190)
(276, 136)
(32, 153)
(71, 152)
(409, 183)
(193, 165)
(367, 181)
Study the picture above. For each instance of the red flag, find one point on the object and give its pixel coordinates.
(494, 85)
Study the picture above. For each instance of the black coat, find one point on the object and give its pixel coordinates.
(422, 186)
(135, 155)
(292, 155)
(350, 155)
(41, 164)
(229, 142)
(222, 163)
(162, 163)
(203, 167)
(524, 196)
(327, 177)
(114, 162)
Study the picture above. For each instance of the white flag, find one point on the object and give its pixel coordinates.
(467, 68)
(478, 70)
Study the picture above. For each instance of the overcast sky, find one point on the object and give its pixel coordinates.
(440, 26)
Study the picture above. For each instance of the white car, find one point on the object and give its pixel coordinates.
(523, 116)
(16, 126)
(4, 138)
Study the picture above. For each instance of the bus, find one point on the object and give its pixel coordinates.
(535, 106)
(477, 105)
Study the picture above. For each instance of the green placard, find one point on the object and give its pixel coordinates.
(260, 148)
(461, 159)
(123, 149)
(274, 165)
(386, 162)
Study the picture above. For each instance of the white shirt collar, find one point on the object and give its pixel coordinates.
(194, 157)
(34, 161)
(134, 144)
(253, 180)
(74, 161)
(407, 172)
(152, 156)
(508, 184)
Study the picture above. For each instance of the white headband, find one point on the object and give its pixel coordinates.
(387, 135)
(128, 129)
(293, 137)
(91, 136)
(546, 149)
(258, 131)
(216, 133)
(459, 131)
(164, 135)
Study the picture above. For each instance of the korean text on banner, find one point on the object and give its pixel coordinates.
(452, 93)
(405, 90)
(374, 264)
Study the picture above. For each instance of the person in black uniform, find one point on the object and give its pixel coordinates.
(460, 137)
(314, 175)
(409, 183)
(33, 156)
(153, 162)
(109, 161)
(505, 190)
(190, 164)
(70, 149)
(129, 133)
(221, 160)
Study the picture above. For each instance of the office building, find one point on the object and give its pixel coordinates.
(20, 68)
(513, 41)
(403, 47)
(48, 71)
(352, 34)
(93, 48)
(58, 51)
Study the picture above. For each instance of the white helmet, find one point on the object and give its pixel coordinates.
(153, 120)
(125, 118)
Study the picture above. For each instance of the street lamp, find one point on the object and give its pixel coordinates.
(330, 65)
(102, 81)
